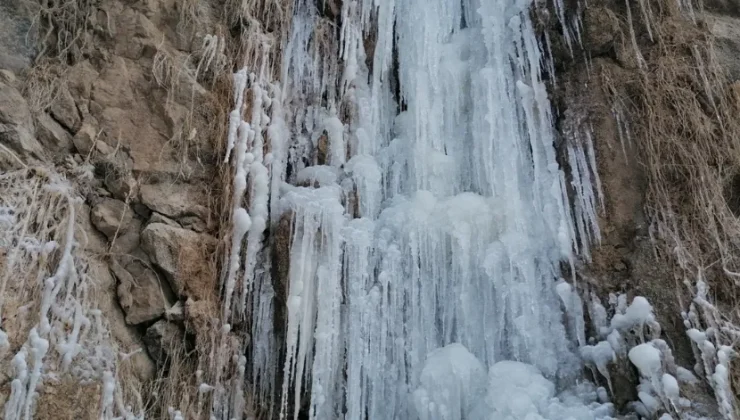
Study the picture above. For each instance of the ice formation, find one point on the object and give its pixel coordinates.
(67, 335)
(428, 217)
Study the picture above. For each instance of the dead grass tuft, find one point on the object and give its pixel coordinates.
(683, 114)
(64, 26)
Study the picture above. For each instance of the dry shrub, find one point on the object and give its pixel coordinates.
(196, 269)
(683, 114)
(64, 26)
(40, 246)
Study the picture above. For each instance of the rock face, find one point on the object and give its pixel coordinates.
(16, 123)
(163, 339)
(141, 293)
(112, 217)
(174, 201)
(167, 246)
(17, 38)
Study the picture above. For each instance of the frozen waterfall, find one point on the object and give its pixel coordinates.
(428, 219)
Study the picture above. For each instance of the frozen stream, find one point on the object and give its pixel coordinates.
(426, 245)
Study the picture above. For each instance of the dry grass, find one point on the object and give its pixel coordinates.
(64, 26)
(41, 238)
(683, 115)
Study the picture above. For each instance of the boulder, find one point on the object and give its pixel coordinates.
(52, 135)
(64, 110)
(85, 138)
(112, 217)
(160, 218)
(16, 123)
(18, 38)
(141, 294)
(174, 200)
(166, 244)
(163, 339)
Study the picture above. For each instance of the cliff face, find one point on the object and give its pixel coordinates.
(655, 87)
(121, 100)
(112, 127)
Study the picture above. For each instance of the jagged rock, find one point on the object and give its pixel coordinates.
(128, 242)
(122, 186)
(166, 246)
(159, 218)
(85, 138)
(193, 223)
(162, 339)
(126, 335)
(52, 135)
(18, 37)
(174, 200)
(141, 294)
(111, 217)
(16, 123)
(64, 110)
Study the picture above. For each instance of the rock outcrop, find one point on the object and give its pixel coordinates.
(169, 246)
(110, 101)
(112, 217)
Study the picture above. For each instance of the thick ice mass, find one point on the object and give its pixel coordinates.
(428, 218)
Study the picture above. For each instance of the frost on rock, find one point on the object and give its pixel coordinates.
(632, 338)
(711, 337)
(67, 335)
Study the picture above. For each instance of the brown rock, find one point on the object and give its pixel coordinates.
(174, 200)
(112, 217)
(85, 138)
(16, 123)
(52, 135)
(159, 218)
(163, 339)
(141, 294)
(64, 110)
(166, 244)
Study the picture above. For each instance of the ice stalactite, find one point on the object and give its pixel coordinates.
(425, 207)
